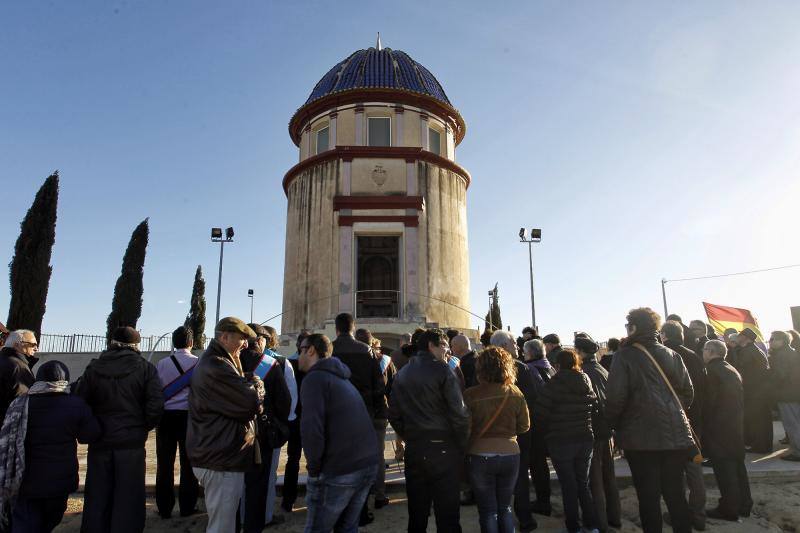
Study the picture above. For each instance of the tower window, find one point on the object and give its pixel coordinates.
(434, 141)
(323, 139)
(378, 275)
(379, 131)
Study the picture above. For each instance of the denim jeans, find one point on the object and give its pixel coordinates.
(571, 461)
(335, 502)
(493, 480)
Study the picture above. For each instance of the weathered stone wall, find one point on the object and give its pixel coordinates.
(311, 273)
(443, 248)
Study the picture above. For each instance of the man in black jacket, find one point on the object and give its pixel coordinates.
(294, 448)
(699, 331)
(650, 423)
(16, 361)
(366, 377)
(602, 479)
(552, 346)
(672, 336)
(278, 403)
(124, 392)
(427, 411)
(753, 367)
(723, 434)
(460, 346)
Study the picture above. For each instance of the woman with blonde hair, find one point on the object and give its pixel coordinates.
(499, 414)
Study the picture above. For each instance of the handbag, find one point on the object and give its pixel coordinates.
(694, 452)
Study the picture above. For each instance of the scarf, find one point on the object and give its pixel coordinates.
(12, 445)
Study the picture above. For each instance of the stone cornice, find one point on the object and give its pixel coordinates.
(348, 153)
(376, 94)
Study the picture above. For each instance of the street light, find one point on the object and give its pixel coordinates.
(535, 236)
(216, 236)
(250, 295)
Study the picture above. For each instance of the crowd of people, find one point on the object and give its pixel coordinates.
(474, 424)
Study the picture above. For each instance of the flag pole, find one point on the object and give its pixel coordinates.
(664, 296)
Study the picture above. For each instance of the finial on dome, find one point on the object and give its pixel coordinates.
(379, 46)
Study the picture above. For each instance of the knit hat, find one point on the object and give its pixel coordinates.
(126, 335)
(585, 343)
(749, 333)
(551, 338)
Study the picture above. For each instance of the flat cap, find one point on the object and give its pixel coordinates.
(749, 333)
(126, 335)
(585, 343)
(235, 325)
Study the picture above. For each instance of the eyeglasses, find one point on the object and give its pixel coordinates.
(31, 344)
(303, 347)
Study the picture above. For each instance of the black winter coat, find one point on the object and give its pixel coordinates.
(427, 404)
(697, 373)
(124, 392)
(723, 426)
(278, 399)
(640, 406)
(15, 377)
(365, 373)
(55, 420)
(785, 375)
(468, 369)
(753, 366)
(564, 407)
(598, 376)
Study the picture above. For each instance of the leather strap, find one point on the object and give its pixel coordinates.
(669, 385)
(494, 416)
(177, 365)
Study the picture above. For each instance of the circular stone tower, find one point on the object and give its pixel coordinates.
(376, 223)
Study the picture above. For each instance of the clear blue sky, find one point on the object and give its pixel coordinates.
(647, 140)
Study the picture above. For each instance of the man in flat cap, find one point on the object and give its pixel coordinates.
(753, 366)
(124, 391)
(221, 438)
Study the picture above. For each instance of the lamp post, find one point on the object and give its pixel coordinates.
(251, 295)
(535, 236)
(664, 296)
(216, 236)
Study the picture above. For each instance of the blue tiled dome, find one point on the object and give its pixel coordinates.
(373, 68)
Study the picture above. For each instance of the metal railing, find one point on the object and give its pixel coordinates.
(79, 343)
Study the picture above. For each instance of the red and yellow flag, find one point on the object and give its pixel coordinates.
(722, 318)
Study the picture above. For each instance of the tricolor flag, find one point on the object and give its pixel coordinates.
(722, 318)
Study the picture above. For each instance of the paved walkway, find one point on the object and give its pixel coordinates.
(758, 466)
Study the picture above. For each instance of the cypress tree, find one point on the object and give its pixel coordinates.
(30, 268)
(196, 320)
(126, 307)
(493, 320)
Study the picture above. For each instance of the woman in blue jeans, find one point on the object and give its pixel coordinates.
(563, 411)
(499, 414)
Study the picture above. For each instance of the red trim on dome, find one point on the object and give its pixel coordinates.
(378, 202)
(408, 221)
(348, 153)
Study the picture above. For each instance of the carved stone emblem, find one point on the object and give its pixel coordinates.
(379, 175)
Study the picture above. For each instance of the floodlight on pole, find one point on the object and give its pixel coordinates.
(251, 295)
(535, 236)
(216, 236)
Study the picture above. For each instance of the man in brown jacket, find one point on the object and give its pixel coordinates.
(220, 438)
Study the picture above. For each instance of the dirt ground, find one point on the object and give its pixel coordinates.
(777, 508)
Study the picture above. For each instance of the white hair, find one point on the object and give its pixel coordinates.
(504, 339)
(18, 336)
(534, 348)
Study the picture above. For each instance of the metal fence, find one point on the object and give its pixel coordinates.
(78, 343)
